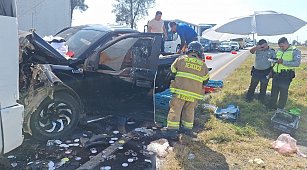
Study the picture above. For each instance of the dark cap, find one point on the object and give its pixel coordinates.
(171, 24)
(158, 13)
(283, 40)
(262, 41)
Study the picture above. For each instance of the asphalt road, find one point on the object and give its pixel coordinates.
(224, 63)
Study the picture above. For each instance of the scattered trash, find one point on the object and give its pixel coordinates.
(105, 168)
(14, 164)
(68, 151)
(215, 83)
(61, 163)
(230, 113)
(285, 121)
(116, 132)
(159, 146)
(130, 123)
(191, 156)
(125, 164)
(210, 107)
(11, 157)
(93, 150)
(147, 160)
(295, 111)
(147, 132)
(78, 158)
(256, 160)
(285, 144)
(68, 141)
(51, 165)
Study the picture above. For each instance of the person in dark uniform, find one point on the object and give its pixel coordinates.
(260, 70)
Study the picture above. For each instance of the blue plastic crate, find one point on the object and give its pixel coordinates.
(162, 100)
(215, 83)
(230, 113)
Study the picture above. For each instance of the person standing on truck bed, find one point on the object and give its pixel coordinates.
(191, 73)
(186, 33)
(156, 25)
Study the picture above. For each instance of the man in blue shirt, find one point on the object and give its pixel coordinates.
(186, 33)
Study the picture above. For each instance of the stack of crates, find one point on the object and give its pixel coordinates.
(213, 85)
(162, 100)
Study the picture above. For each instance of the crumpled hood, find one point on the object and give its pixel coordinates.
(45, 53)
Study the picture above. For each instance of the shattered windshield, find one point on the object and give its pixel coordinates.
(79, 40)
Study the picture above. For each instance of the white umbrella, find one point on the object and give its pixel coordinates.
(211, 34)
(263, 23)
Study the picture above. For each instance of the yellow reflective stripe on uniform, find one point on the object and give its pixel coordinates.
(187, 93)
(188, 125)
(173, 124)
(206, 77)
(173, 69)
(190, 76)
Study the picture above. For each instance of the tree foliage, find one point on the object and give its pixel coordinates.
(77, 4)
(129, 12)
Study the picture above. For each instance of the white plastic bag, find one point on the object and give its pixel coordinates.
(285, 144)
(160, 147)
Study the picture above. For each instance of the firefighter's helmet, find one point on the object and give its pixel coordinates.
(196, 47)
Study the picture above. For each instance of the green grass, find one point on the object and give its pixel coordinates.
(250, 138)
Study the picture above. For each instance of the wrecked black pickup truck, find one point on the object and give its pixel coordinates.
(112, 72)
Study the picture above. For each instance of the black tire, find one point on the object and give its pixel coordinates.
(61, 120)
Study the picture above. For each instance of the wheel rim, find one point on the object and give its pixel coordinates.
(55, 117)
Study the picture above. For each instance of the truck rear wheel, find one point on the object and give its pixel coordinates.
(55, 117)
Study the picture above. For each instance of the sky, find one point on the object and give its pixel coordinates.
(200, 11)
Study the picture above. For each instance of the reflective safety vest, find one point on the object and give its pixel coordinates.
(190, 73)
(285, 56)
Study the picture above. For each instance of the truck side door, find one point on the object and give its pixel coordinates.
(124, 73)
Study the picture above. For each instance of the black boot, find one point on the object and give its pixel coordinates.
(171, 134)
(190, 133)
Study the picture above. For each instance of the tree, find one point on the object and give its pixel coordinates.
(306, 43)
(129, 12)
(77, 4)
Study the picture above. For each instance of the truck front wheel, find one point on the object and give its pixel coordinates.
(55, 117)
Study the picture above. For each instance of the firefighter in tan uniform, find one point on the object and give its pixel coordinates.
(187, 88)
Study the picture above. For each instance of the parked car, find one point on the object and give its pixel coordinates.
(207, 44)
(249, 44)
(225, 46)
(111, 70)
(235, 45)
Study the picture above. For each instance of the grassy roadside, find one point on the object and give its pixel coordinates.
(228, 146)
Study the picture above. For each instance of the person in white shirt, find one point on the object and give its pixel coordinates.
(156, 25)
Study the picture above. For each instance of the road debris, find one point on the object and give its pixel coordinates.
(191, 156)
(285, 145)
(160, 147)
(256, 160)
(230, 113)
